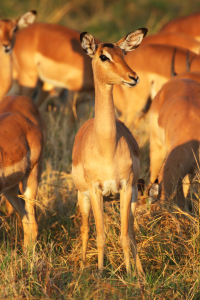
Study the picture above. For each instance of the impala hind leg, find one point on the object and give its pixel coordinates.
(9, 208)
(171, 188)
(15, 202)
(97, 207)
(19, 206)
(84, 204)
(132, 232)
(157, 156)
(171, 177)
(30, 185)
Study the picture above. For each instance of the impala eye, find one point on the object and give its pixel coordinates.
(104, 58)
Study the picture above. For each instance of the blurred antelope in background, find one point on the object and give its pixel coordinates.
(177, 39)
(23, 136)
(105, 154)
(21, 144)
(8, 29)
(25, 106)
(51, 53)
(154, 64)
(189, 25)
(174, 136)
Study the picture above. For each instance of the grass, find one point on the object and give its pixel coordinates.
(168, 241)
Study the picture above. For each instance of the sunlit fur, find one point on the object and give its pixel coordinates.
(174, 137)
(105, 154)
(23, 136)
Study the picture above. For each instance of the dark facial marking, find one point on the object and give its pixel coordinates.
(108, 45)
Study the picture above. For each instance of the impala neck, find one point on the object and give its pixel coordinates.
(105, 121)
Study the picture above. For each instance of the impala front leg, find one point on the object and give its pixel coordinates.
(97, 207)
(132, 232)
(84, 205)
(125, 207)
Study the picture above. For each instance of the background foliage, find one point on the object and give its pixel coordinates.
(107, 19)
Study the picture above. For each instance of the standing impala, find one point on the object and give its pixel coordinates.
(174, 136)
(105, 154)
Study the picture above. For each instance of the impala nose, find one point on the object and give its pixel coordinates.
(136, 79)
(6, 48)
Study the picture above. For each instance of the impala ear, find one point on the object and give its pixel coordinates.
(88, 43)
(132, 40)
(27, 19)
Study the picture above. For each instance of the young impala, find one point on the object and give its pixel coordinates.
(105, 154)
(174, 136)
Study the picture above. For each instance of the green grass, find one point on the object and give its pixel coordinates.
(107, 20)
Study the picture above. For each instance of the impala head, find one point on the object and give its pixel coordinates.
(9, 27)
(108, 59)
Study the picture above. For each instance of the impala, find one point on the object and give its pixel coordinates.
(154, 64)
(21, 146)
(189, 75)
(25, 106)
(174, 136)
(8, 29)
(177, 39)
(105, 154)
(188, 24)
(51, 53)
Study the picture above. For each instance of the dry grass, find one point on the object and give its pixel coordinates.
(168, 241)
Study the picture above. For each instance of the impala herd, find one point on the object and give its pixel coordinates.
(105, 158)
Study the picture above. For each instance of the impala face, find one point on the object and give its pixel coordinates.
(9, 27)
(110, 56)
(108, 61)
(7, 34)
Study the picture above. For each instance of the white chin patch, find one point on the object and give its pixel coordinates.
(127, 84)
(7, 51)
